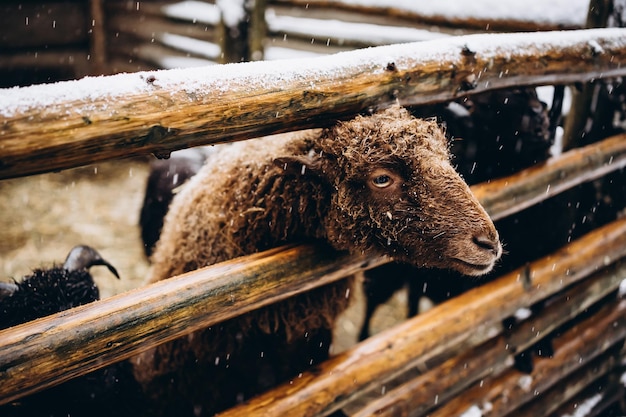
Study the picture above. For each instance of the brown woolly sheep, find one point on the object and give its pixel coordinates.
(379, 184)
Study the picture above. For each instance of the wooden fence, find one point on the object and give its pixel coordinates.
(53, 40)
(454, 359)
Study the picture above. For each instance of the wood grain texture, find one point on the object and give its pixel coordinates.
(505, 196)
(52, 127)
(425, 392)
(39, 354)
(466, 22)
(368, 366)
(578, 347)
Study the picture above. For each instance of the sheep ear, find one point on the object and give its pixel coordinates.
(300, 165)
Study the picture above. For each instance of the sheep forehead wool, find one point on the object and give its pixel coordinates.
(389, 136)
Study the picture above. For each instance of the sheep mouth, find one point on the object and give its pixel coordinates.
(469, 268)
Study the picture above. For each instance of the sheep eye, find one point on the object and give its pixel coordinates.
(382, 181)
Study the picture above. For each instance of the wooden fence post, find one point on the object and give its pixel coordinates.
(585, 120)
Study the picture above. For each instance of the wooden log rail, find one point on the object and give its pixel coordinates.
(464, 322)
(52, 127)
(503, 394)
(119, 327)
(123, 325)
(417, 396)
(504, 196)
(463, 20)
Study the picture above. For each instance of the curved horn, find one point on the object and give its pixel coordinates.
(84, 257)
(7, 289)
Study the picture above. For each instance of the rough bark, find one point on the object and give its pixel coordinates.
(45, 128)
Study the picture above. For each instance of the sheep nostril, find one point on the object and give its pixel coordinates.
(484, 242)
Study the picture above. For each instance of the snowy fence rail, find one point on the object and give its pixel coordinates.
(480, 15)
(445, 355)
(168, 34)
(51, 127)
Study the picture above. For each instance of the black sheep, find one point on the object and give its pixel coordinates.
(108, 391)
(166, 175)
(48, 291)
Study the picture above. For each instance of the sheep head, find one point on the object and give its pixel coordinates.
(395, 192)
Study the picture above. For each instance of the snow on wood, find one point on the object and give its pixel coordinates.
(566, 13)
(232, 12)
(472, 411)
(586, 407)
(184, 43)
(622, 293)
(193, 11)
(62, 125)
(347, 31)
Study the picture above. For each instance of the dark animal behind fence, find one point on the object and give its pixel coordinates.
(108, 391)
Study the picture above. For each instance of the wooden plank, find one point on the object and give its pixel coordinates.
(149, 28)
(97, 38)
(44, 128)
(121, 326)
(332, 32)
(425, 392)
(468, 22)
(208, 14)
(596, 374)
(159, 56)
(602, 394)
(504, 196)
(47, 25)
(583, 114)
(369, 365)
(283, 8)
(503, 394)
(70, 58)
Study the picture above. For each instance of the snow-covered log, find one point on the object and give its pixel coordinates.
(530, 15)
(63, 125)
